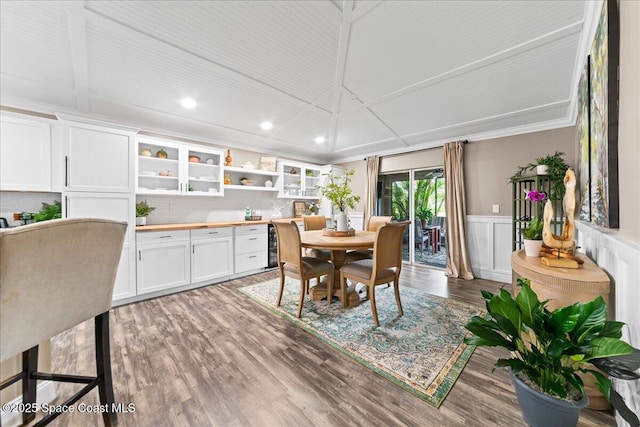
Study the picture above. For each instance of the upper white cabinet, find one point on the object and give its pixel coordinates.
(298, 180)
(98, 158)
(165, 167)
(25, 155)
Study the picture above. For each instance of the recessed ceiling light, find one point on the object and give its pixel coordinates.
(319, 139)
(188, 103)
(266, 125)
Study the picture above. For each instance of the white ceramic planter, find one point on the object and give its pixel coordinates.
(532, 247)
(542, 170)
(141, 220)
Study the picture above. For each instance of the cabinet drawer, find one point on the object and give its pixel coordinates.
(162, 236)
(251, 243)
(251, 229)
(251, 261)
(208, 233)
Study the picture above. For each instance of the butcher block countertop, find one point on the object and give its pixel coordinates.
(195, 225)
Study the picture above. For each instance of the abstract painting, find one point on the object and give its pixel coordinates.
(597, 124)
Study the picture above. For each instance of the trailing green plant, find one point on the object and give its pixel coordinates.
(53, 211)
(557, 168)
(143, 208)
(550, 348)
(338, 191)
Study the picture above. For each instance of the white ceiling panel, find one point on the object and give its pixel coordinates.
(304, 128)
(358, 128)
(442, 36)
(373, 76)
(287, 45)
(538, 77)
(36, 43)
(149, 74)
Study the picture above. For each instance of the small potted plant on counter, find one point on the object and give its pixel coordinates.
(142, 211)
(548, 349)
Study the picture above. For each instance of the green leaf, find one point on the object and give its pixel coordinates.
(621, 408)
(593, 315)
(528, 303)
(608, 347)
(565, 319)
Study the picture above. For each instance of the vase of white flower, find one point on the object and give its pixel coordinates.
(338, 192)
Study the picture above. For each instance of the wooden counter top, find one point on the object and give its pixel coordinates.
(195, 225)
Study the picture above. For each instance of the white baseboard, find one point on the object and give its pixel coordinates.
(45, 393)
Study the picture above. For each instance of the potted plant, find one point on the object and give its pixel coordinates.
(555, 169)
(142, 211)
(339, 193)
(425, 215)
(550, 348)
(532, 232)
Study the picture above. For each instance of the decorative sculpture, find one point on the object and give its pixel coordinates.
(563, 244)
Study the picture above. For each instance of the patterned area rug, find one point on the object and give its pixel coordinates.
(421, 351)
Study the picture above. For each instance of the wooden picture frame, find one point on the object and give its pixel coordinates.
(299, 208)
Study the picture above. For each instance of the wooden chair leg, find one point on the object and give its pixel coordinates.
(329, 287)
(303, 284)
(397, 292)
(103, 368)
(29, 384)
(343, 290)
(281, 289)
(374, 310)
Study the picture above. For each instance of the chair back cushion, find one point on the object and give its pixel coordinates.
(53, 276)
(314, 222)
(387, 250)
(375, 222)
(289, 249)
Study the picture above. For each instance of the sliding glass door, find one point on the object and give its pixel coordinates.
(417, 195)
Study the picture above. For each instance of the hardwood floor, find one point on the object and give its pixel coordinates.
(212, 357)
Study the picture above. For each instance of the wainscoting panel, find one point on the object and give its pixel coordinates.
(620, 259)
(489, 240)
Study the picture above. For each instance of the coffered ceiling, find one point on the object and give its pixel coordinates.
(372, 77)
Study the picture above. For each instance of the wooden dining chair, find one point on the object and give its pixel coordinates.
(385, 268)
(373, 224)
(316, 222)
(292, 263)
(56, 275)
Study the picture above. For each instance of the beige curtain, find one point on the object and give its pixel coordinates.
(371, 187)
(458, 264)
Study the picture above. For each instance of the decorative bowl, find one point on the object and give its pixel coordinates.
(194, 159)
(145, 152)
(248, 182)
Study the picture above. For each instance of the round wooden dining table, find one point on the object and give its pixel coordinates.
(338, 245)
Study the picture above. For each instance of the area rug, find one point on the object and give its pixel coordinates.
(422, 352)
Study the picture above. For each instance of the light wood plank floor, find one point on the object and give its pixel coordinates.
(212, 357)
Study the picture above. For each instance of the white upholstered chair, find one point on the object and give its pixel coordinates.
(55, 275)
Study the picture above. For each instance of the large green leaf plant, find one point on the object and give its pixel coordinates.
(552, 347)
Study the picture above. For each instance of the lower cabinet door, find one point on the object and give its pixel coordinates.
(211, 258)
(162, 266)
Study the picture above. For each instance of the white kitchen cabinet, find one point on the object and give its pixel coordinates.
(163, 260)
(98, 158)
(258, 179)
(166, 167)
(298, 180)
(117, 207)
(251, 249)
(25, 154)
(211, 253)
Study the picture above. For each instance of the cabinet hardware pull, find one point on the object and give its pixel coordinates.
(253, 238)
(139, 255)
(66, 171)
(253, 256)
(213, 232)
(194, 249)
(66, 206)
(253, 229)
(165, 237)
